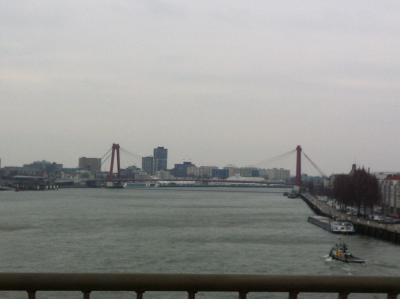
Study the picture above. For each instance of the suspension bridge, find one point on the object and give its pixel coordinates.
(114, 178)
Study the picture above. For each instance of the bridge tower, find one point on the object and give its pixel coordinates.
(298, 166)
(114, 152)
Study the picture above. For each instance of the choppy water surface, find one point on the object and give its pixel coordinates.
(255, 231)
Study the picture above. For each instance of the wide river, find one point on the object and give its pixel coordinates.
(255, 231)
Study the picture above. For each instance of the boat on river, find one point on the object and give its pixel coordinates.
(341, 253)
(333, 226)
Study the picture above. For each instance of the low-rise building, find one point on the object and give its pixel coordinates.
(278, 174)
(233, 170)
(206, 171)
(43, 168)
(249, 172)
(193, 171)
(164, 175)
(220, 173)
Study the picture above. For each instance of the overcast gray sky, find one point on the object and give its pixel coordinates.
(216, 82)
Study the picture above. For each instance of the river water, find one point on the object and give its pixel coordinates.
(248, 231)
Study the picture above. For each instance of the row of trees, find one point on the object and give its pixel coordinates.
(358, 189)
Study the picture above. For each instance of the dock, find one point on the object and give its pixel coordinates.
(387, 232)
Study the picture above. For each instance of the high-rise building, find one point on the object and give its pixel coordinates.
(160, 155)
(148, 165)
(90, 164)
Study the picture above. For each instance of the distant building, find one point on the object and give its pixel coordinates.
(164, 175)
(181, 170)
(390, 192)
(10, 171)
(193, 171)
(148, 165)
(70, 174)
(278, 174)
(233, 170)
(206, 171)
(160, 155)
(249, 172)
(220, 173)
(42, 168)
(131, 172)
(90, 164)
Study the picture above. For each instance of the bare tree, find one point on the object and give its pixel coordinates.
(359, 189)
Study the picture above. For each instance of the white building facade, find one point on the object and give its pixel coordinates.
(390, 191)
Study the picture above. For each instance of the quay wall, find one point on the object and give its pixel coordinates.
(387, 232)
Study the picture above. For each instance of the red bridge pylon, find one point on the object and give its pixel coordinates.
(298, 166)
(114, 151)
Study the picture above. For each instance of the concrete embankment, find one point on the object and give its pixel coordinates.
(387, 232)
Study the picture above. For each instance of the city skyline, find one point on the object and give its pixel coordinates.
(277, 162)
(215, 83)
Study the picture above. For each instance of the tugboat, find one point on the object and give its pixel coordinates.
(341, 253)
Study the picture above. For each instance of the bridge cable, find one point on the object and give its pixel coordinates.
(137, 156)
(105, 159)
(107, 153)
(315, 165)
(275, 158)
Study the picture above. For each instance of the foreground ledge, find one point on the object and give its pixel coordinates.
(193, 283)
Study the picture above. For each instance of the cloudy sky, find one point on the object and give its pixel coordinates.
(216, 82)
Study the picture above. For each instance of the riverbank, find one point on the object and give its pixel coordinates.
(387, 232)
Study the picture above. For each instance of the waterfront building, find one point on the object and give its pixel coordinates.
(148, 165)
(193, 171)
(232, 170)
(278, 174)
(77, 175)
(10, 171)
(131, 172)
(249, 172)
(180, 170)
(164, 175)
(390, 192)
(220, 173)
(72, 174)
(90, 164)
(160, 155)
(263, 173)
(206, 171)
(42, 168)
(141, 175)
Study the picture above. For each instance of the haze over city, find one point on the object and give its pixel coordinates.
(216, 82)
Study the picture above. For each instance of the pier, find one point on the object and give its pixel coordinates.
(387, 232)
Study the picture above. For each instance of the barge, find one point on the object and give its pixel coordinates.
(333, 226)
